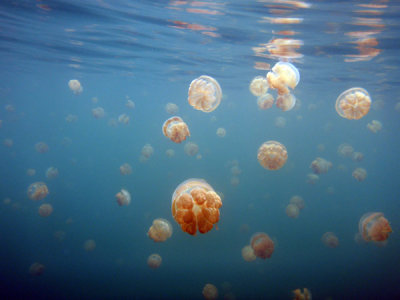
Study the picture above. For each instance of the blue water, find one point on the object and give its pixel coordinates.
(151, 51)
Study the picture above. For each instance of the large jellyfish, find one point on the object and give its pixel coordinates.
(330, 240)
(272, 155)
(160, 230)
(210, 292)
(282, 76)
(75, 86)
(353, 104)
(204, 93)
(262, 245)
(374, 227)
(175, 129)
(37, 191)
(154, 261)
(259, 86)
(123, 197)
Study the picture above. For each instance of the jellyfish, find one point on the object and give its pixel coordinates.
(147, 151)
(52, 173)
(282, 76)
(210, 292)
(235, 170)
(374, 227)
(98, 112)
(125, 169)
(130, 104)
(171, 108)
(292, 211)
(204, 94)
(112, 122)
(312, 178)
(265, 101)
(298, 201)
(89, 245)
(191, 149)
(280, 122)
(397, 107)
(37, 191)
(59, 235)
(10, 108)
(75, 86)
(124, 119)
(36, 269)
(374, 126)
(357, 156)
(359, 174)
(95, 100)
(175, 129)
(353, 104)
(259, 86)
(262, 245)
(221, 132)
(45, 210)
(298, 295)
(154, 261)
(248, 253)
(6, 201)
(71, 118)
(330, 240)
(272, 155)
(170, 153)
(320, 165)
(345, 150)
(160, 230)
(123, 197)
(41, 147)
(285, 102)
(235, 181)
(195, 206)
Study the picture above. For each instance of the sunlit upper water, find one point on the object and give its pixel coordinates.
(149, 52)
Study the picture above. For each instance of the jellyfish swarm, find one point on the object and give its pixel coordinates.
(298, 295)
(359, 174)
(45, 210)
(248, 253)
(330, 240)
(36, 269)
(160, 230)
(262, 245)
(75, 86)
(154, 261)
(210, 292)
(37, 191)
(374, 227)
(204, 93)
(175, 129)
(259, 86)
(272, 155)
(195, 206)
(320, 165)
(353, 104)
(265, 101)
(123, 197)
(282, 76)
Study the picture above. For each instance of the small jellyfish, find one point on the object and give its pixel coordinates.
(235, 170)
(374, 227)
(171, 108)
(305, 295)
(147, 151)
(112, 122)
(95, 100)
(124, 119)
(265, 101)
(160, 231)
(359, 174)
(195, 206)
(89, 245)
(235, 181)
(259, 86)
(248, 253)
(191, 149)
(374, 126)
(37, 191)
(312, 178)
(330, 240)
(210, 292)
(280, 122)
(52, 173)
(10, 108)
(8, 143)
(130, 104)
(123, 197)
(353, 104)
(125, 169)
(282, 76)
(272, 155)
(170, 153)
(45, 210)
(31, 172)
(221, 132)
(298, 201)
(320, 165)
(204, 93)
(75, 86)
(292, 211)
(397, 107)
(98, 112)
(36, 269)
(175, 129)
(71, 118)
(41, 147)
(154, 261)
(262, 245)
(6, 201)
(285, 102)
(345, 150)
(357, 156)
(59, 235)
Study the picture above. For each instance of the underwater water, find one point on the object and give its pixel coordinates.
(135, 57)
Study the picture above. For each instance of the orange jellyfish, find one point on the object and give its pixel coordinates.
(125, 169)
(154, 261)
(282, 76)
(160, 231)
(52, 173)
(298, 201)
(292, 211)
(286, 102)
(298, 295)
(175, 129)
(41, 147)
(210, 292)
(259, 86)
(205, 93)
(45, 210)
(359, 174)
(265, 101)
(248, 253)
(374, 227)
(191, 149)
(374, 126)
(353, 104)
(221, 132)
(272, 155)
(123, 197)
(36, 269)
(195, 206)
(37, 191)
(330, 240)
(89, 245)
(75, 86)
(320, 165)
(262, 245)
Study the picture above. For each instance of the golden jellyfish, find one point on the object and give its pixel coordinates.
(374, 227)
(320, 165)
(280, 122)
(147, 151)
(204, 93)
(36, 269)
(283, 76)
(98, 112)
(124, 119)
(330, 240)
(357, 156)
(171, 108)
(41, 147)
(170, 153)
(75, 86)
(154, 261)
(89, 245)
(123, 197)
(160, 230)
(262, 245)
(298, 201)
(312, 178)
(195, 206)
(259, 86)
(285, 102)
(125, 169)
(292, 211)
(175, 129)
(265, 101)
(52, 173)
(248, 253)
(37, 191)
(221, 132)
(191, 149)
(272, 155)
(359, 174)
(353, 104)
(299, 295)
(374, 126)
(210, 292)
(45, 210)
(345, 150)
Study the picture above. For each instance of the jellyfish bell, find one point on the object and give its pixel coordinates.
(248, 253)
(45, 210)
(124, 119)
(265, 101)
(37, 191)
(204, 93)
(160, 230)
(125, 169)
(175, 129)
(320, 165)
(286, 102)
(359, 174)
(98, 112)
(123, 197)
(353, 104)
(282, 76)
(147, 151)
(374, 227)
(298, 201)
(210, 292)
(154, 261)
(272, 155)
(75, 86)
(259, 86)
(262, 245)
(330, 240)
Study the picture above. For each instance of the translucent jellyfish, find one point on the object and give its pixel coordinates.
(75, 86)
(285, 102)
(280, 122)
(170, 153)
(191, 149)
(305, 295)
(374, 126)
(89, 245)
(345, 150)
(123, 197)
(52, 173)
(282, 76)
(41, 147)
(265, 101)
(98, 112)
(36, 269)
(262, 245)
(312, 178)
(259, 86)
(292, 211)
(357, 156)
(272, 155)
(45, 210)
(130, 104)
(125, 169)
(298, 201)
(71, 118)
(235, 181)
(320, 165)
(204, 93)
(235, 170)
(210, 292)
(154, 261)
(175, 129)
(171, 108)
(374, 227)
(248, 253)
(195, 206)
(124, 119)
(353, 104)
(160, 231)
(37, 191)
(147, 151)
(221, 132)
(330, 240)
(10, 108)
(360, 174)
